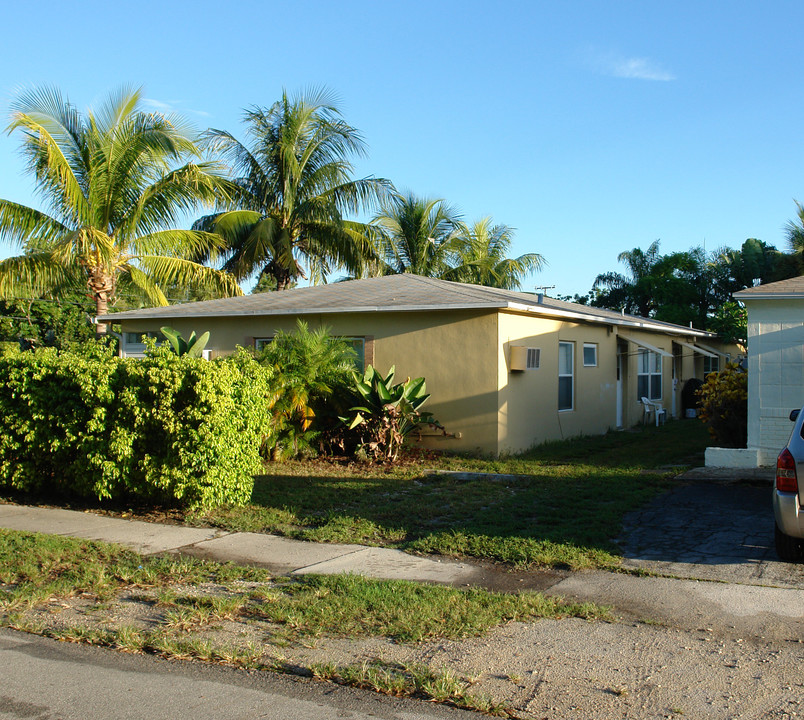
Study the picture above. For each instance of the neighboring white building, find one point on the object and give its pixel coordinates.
(775, 365)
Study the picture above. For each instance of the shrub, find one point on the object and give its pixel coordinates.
(724, 406)
(164, 429)
(312, 380)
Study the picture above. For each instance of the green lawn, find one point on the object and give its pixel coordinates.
(564, 508)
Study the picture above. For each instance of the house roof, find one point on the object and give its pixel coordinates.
(396, 293)
(790, 288)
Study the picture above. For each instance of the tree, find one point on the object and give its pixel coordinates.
(632, 293)
(415, 235)
(115, 186)
(481, 257)
(295, 186)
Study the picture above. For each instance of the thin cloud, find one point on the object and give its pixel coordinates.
(631, 68)
(171, 106)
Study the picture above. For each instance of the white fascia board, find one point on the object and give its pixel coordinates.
(624, 322)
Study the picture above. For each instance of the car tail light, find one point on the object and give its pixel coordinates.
(786, 480)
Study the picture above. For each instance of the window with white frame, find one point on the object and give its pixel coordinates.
(590, 354)
(136, 338)
(566, 364)
(649, 375)
(358, 344)
(711, 364)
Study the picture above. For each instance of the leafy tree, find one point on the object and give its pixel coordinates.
(45, 322)
(632, 293)
(114, 191)
(415, 235)
(295, 187)
(481, 257)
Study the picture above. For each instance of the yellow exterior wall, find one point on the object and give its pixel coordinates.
(465, 357)
(455, 351)
(529, 411)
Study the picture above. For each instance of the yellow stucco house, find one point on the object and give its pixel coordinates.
(506, 370)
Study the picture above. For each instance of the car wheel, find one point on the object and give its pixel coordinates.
(788, 548)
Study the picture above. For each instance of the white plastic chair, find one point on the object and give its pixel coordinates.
(654, 407)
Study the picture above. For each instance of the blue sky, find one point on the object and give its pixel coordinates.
(589, 127)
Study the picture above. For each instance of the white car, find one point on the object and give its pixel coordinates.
(788, 494)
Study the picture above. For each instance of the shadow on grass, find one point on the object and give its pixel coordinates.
(564, 507)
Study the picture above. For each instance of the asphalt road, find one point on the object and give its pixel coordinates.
(42, 679)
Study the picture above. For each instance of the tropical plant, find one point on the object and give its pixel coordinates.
(295, 187)
(389, 413)
(312, 385)
(632, 293)
(42, 322)
(192, 346)
(415, 235)
(480, 257)
(115, 187)
(724, 406)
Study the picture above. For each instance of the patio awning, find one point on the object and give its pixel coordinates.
(697, 349)
(714, 352)
(646, 346)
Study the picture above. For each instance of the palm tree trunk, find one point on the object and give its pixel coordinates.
(102, 285)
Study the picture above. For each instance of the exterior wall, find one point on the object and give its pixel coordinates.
(775, 372)
(465, 358)
(633, 409)
(528, 409)
(456, 352)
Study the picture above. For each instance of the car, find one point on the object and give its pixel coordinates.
(788, 494)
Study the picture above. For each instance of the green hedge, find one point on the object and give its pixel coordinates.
(165, 429)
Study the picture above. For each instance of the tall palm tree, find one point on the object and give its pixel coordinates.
(632, 293)
(295, 187)
(415, 235)
(115, 186)
(480, 254)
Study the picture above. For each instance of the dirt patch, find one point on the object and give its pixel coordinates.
(551, 668)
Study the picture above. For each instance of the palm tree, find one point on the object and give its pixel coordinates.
(632, 293)
(795, 231)
(480, 257)
(114, 193)
(294, 179)
(415, 235)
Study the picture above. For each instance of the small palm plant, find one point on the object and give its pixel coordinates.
(312, 378)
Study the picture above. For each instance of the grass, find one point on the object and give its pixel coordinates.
(34, 567)
(417, 681)
(563, 508)
(353, 606)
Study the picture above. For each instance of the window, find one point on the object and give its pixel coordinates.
(590, 354)
(711, 364)
(358, 344)
(649, 375)
(533, 359)
(565, 375)
(135, 338)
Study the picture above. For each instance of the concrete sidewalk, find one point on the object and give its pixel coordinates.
(278, 554)
(728, 603)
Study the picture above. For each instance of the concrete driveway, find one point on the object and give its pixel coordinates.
(718, 525)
